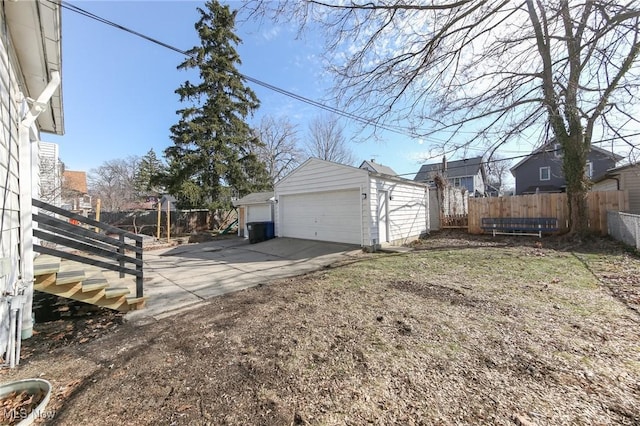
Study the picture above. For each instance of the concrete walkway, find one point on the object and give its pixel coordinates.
(181, 277)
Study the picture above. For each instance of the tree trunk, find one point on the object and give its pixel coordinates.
(575, 151)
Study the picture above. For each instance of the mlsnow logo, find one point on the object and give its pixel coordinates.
(10, 415)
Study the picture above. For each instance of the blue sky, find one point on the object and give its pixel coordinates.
(118, 89)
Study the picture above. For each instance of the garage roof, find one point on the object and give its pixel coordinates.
(255, 198)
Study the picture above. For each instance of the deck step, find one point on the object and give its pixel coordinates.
(45, 264)
(85, 283)
(136, 303)
(68, 277)
(93, 284)
(113, 292)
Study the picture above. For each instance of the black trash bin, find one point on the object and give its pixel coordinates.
(257, 232)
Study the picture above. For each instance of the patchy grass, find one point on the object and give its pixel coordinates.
(461, 331)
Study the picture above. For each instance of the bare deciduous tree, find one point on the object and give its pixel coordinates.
(487, 71)
(326, 141)
(279, 150)
(114, 183)
(498, 170)
(51, 171)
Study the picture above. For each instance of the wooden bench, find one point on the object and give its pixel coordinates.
(533, 226)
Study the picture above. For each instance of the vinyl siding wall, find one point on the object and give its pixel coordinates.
(9, 174)
(606, 185)
(408, 211)
(630, 181)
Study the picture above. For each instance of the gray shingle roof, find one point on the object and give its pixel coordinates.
(378, 168)
(254, 198)
(458, 168)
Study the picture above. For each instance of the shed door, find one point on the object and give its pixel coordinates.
(325, 216)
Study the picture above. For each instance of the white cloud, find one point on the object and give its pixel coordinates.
(271, 33)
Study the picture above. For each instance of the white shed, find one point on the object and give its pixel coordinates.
(326, 201)
(255, 207)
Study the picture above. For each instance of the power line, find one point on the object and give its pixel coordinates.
(395, 129)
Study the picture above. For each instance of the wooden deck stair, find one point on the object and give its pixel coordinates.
(85, 283)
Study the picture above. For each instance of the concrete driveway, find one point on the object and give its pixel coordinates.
(182, 276)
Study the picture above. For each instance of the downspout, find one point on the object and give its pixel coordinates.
(26, 205)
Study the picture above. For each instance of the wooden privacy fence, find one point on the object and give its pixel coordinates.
(547, 205)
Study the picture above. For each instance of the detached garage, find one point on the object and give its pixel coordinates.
(255, 207)
(326, 201)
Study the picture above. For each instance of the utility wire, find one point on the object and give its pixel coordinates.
(395, 129)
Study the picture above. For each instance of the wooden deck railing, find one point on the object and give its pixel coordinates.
(106, 251)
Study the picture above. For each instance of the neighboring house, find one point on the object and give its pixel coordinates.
(326, 201)
(541, 171)
(50, 169)
(372, 166)
(623, 178)
(31, 103)
(255, 207)
(168, 201)
(75, 196)
(468, 174)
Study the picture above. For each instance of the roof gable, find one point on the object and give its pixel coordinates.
(334, 168)
(378, 168)
(456, 168)
(548, 147)
(311, 160)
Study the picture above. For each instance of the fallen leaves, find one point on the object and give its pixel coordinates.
(16, 406)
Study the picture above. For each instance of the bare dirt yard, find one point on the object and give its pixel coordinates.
(463, 330)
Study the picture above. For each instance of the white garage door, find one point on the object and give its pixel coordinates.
(324, 216)
(259, 213)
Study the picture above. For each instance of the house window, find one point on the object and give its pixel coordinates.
(545, 173)
(456, 182)
(557, 150)
(588, 170)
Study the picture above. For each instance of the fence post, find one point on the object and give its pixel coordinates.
(122, 253)
(159, 218)
(98, 208)
(139, 269)
(168, 221)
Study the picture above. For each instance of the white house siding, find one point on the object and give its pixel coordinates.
(325, 179)
(9, 176)
(478, 184)
(407, 211)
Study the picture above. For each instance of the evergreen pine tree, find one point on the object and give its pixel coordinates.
(212, 154)
(149, 168)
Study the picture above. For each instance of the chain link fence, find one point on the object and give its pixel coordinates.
(624, 227)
